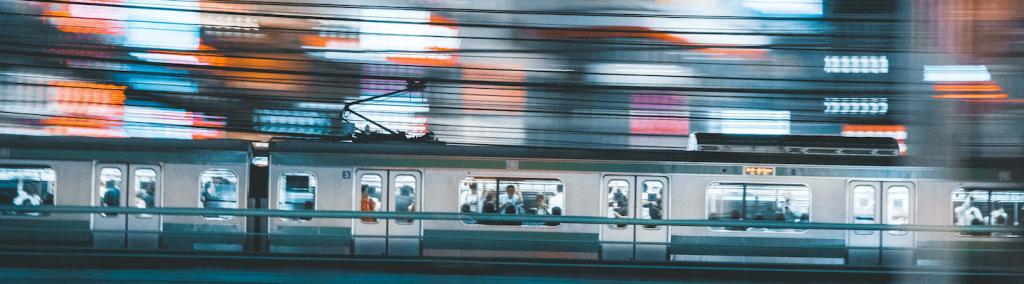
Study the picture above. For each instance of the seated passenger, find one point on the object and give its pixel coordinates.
(735, 215)
(511, 199)
(542, 205)
(490, 205)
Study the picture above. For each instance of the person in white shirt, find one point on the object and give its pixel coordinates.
(29, 196)
(511, 199)
(556, 202)
(472, 199)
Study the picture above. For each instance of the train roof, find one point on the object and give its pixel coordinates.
(120, 144)
(522, 152)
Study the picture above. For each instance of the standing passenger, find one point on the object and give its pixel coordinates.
(29, 196)
(556, 202)
(471, 199)
(367, 203)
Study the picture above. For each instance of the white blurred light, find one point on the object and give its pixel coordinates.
(155, 28)
(261, 161)
(754, 121)
(856, 105)
(856, 64)
(786, 7)
(644, 74)
(956, 73)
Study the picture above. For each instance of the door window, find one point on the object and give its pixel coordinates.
(618, 200)
(110, 189)
(898, 207)
(371, 186)
(405, 196)
(144, 187)
(864, 207)
(652, 207)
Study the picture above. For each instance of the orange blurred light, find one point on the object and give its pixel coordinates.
(873, 128)
(967, 88)
(85, 92)
(971, 96)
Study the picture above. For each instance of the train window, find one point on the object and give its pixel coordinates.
(296, 191)
(758, 202)
(897, 207)
(25, 186)
(405, 196)
(110, 189)
(864, 207)
(618, 200)
(651, 200)
(371, 186)
(988, 207)
(218, 188)
(511, 196)
(144, 186)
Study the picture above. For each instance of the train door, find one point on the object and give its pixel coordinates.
(897, 209)
(383, 190)
(873, 202)
(121, 185)
(641, 197)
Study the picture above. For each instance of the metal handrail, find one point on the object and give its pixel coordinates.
(477, 217)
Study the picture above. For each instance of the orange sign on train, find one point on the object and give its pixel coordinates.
(759, 171)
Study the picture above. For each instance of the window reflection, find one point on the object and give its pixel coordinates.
(864, 207)
(405, 196)
(898, 207)
(758, 202)
(998, 207)
(296, 191)
(144, 186)
(26, 187)
(218, 189)
(618, 200)
(651, 200)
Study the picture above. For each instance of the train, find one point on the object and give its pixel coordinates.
(798, 180)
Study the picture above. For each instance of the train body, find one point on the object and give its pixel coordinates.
(503, 180)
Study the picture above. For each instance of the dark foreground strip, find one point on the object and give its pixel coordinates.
(129, 266)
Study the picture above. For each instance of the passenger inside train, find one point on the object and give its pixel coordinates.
(26, 187)
(1004, 208)
(367, 203)
(511, 202)
(520, 196)
(111, 196)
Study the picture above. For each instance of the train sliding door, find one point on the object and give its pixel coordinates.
(122, 185)
(383, 190)
(640, 197)
(875, 202)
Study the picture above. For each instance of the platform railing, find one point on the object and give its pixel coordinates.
(506, 218)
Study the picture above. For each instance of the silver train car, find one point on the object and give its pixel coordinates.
(749, 186)
(647, 185)
(144, 173)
